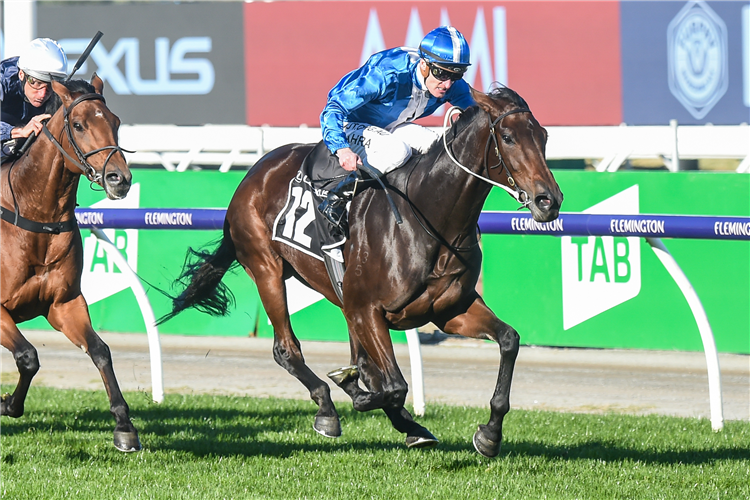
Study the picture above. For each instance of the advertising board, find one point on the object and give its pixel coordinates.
(553, 53)
(561, 291)
(273, 63)
(685, 61)
(161, 62)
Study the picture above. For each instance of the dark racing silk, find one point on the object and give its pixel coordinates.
(387, 91)
(16, 110)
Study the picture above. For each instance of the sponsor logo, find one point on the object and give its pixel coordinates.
(524, 224)
(653, 226)
(168, 218)
(196, 75)
(698, 58)
(601, 272)
(732, 228)
(479, 43)
(92, 218)
(101, 277)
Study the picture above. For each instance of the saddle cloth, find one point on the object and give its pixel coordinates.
(300, 224)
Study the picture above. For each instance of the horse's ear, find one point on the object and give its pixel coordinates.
(97, 83)
(62, 92)
(484, 101)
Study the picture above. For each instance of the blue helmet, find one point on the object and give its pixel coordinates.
(447, 47)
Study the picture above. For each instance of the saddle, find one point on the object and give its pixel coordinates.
(300, 224)
(303, 227)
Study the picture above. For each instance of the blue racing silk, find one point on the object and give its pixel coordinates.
(16, 110)
(387, 91)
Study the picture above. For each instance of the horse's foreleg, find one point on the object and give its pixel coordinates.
(480, 322)
(373, 354)
(287, 352)
(72, 318)
(27, 362)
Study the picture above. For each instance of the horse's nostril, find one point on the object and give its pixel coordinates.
(543, 202)
(113, 178)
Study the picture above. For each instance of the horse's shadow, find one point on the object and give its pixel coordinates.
(209, 431)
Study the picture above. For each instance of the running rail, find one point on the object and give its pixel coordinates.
(650, 227)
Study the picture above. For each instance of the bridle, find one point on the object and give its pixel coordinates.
(519, 194)
(82, 163)
(88, 170)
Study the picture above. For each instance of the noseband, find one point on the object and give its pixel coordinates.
(88, 170)
(519, 194)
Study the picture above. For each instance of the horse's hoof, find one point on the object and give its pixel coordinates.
(421, 442)
(344, 375)
(484, 445)
(127, 441)
(421, 439)
(329, 427)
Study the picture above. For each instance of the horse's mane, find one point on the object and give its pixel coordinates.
(74, 86)
(498, 93)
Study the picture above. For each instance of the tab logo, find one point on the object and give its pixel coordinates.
(600, 272)
(101, 277)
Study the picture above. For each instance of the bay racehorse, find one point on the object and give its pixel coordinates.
(398, 276)
(42, 251)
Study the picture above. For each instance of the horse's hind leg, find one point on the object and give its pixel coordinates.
(72, 318)
(27, 362)
(480, 322)
(267, 272)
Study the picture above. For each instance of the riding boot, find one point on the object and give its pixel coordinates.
(333, 207)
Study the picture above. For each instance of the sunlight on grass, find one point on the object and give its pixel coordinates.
(206, 447)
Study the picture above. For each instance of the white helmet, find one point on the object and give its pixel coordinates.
(45, 60)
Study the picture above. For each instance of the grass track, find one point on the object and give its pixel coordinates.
(216, 447)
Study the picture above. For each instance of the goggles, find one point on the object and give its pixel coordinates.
(36, 83)
(454, 74)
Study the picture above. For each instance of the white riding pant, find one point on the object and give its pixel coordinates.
(385, 151)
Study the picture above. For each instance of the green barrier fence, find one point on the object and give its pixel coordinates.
(558, 291)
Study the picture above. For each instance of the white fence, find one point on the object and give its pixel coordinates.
(176, 148)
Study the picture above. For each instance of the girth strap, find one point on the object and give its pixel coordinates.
(37, 227)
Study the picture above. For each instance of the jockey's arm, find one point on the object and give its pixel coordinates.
(355, 90)
(33, 126)
(348, 159)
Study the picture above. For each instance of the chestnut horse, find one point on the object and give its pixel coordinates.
(397, 276)
(42, 257)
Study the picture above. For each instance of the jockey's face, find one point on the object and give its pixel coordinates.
(36, 91)
(438, 80)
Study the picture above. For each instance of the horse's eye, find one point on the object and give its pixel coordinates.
(78, 127)
(507, 139)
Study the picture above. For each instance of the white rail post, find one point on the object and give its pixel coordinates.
(417, 376)
(674, 166)
(154, 346)
(707, 336)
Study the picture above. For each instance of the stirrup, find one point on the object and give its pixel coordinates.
(333, 209)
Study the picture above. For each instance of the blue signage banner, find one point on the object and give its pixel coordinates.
(684, 61)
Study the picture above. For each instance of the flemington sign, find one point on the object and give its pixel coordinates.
(596, 284)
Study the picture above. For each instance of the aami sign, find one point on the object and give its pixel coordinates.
(562, 57)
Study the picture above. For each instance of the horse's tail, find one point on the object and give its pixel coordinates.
(201, 278)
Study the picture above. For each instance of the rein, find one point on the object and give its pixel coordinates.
(427, 230)
(86, 168)
(519, 194)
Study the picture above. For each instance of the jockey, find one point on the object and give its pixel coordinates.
(369, 114)
(25, 88)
